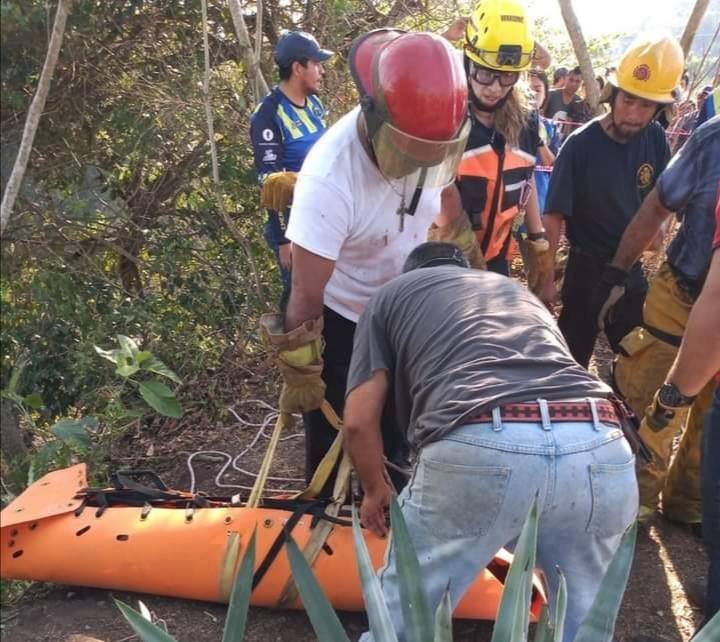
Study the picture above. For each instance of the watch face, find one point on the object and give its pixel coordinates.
(669, 395)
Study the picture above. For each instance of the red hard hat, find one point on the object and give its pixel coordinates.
(415, 80)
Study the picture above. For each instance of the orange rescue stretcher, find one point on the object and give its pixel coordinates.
(151, 539)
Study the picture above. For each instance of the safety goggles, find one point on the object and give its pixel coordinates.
(485, 76)
(400, 155)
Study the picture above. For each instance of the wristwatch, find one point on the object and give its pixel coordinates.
(669, 395)
(536, 236)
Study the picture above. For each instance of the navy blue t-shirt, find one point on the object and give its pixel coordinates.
(598, 184)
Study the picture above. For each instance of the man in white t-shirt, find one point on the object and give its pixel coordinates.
(367, 193)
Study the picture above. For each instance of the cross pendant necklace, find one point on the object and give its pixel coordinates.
(401, 211)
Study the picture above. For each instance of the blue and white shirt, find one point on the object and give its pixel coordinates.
(282, 134)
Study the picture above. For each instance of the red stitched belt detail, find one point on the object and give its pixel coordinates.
(558, 411)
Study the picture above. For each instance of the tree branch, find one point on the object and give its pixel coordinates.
(33, 118)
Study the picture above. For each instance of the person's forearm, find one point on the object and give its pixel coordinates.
(553, 227)
(699, 356)
(541, 56)
(546, 156)
(310, 275)
(363, 445)
(304, 304)
(641, 231)
(533, 220)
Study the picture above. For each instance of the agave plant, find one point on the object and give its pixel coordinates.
(513, 618)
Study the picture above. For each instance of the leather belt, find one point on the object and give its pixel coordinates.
(557, 411)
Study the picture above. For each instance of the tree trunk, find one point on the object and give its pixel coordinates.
(242, 242)
(592, 91)
(259, 93)
(246, 47)
(36, 108)
(11, 437)
(692, 25)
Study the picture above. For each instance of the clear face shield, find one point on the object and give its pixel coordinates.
(401, 155)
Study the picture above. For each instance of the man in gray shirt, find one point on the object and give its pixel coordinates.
(485, 388)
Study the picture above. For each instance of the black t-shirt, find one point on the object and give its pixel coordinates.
(557, 109)
(598, 184)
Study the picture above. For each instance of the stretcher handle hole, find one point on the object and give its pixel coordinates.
(122, 538)
(83, 530)
(17, 553)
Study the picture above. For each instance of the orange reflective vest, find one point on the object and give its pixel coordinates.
(491, 179)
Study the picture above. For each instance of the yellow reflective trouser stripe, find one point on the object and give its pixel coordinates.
(306, 120)
(288, 122)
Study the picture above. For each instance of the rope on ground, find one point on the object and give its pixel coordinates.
(233, 462)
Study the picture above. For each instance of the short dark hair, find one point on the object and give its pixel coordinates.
(285, 72)
(576, 71)
(432, 253)
(559, 73)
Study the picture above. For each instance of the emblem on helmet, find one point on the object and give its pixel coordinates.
(641, 72)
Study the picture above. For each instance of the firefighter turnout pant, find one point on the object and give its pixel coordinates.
(649, 352)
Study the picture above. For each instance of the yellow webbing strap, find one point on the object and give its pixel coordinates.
(327, 464)
(284, 419)
(322, 530)
(322, 472)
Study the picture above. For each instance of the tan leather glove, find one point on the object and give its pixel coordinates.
(460, 233)
(299, 357)
(541, 264)
(277, 190)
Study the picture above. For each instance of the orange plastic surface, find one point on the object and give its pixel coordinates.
(175, 553)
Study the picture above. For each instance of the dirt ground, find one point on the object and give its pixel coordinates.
(667, 560)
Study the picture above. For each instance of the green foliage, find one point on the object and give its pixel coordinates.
(130, 360)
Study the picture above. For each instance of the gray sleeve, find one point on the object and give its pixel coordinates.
(371, 347)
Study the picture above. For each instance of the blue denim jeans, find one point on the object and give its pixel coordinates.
(710, 476)
(470, 493)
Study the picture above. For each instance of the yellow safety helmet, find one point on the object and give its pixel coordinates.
(499, 36)
(651, 69)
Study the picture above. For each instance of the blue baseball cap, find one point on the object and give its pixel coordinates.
(299, 45)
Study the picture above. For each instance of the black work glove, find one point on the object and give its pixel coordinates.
(608, 291)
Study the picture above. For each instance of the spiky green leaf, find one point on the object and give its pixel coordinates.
(240, 597)
(443, 619)
(379, 620)
(543, 630)
(599, 621)
(560, 609)
(147, 631)
(710, 632)
(322, 616)
(416, 612)
(511, 624)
